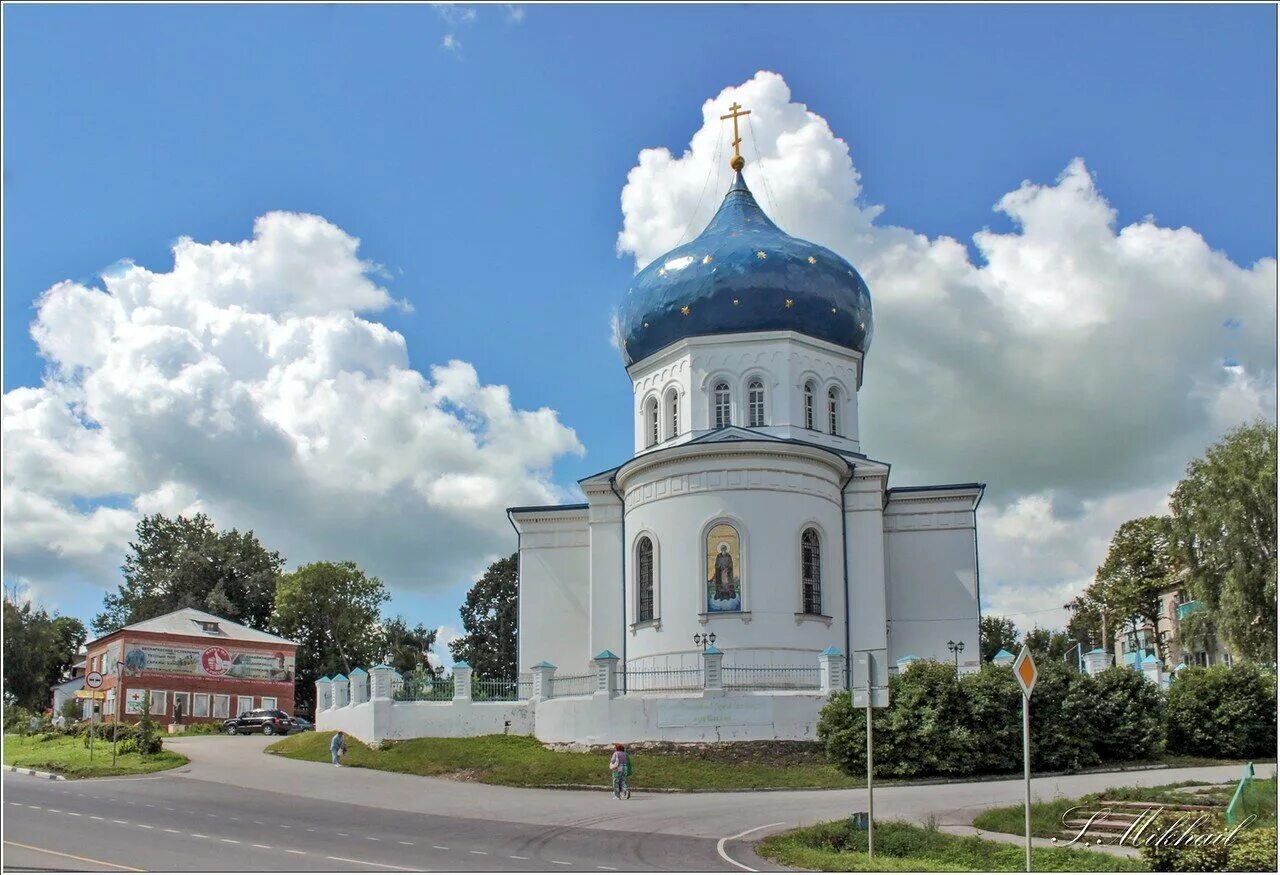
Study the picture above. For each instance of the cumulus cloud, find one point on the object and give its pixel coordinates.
(1071, 362)
(250, 382)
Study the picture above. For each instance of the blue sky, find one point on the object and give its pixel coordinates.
(486, 179)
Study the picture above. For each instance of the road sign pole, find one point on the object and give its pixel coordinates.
(1026, 771)
(871, 806)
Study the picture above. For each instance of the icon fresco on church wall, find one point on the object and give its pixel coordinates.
(724, 569)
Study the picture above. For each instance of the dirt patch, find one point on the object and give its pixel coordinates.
(468, 775)
(774, 753)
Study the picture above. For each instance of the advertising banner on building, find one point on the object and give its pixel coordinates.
(214, 661)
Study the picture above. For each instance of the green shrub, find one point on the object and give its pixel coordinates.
(1252, 849)
(1131, 714)
(926, 730)
(1222, 712)
(995, 712)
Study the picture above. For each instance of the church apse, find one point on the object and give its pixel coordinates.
(724, 569)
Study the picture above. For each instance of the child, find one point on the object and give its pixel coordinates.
(620, 766)
(337, 747)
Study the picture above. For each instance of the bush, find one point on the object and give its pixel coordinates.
(1222, 712)
(1131, 712)
(1252, 849)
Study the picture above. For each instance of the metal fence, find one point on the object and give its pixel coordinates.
(424, 690)
(496, 690)
(573, 685)
(771, 677)
(660, 680)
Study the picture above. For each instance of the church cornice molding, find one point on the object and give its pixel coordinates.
(735, 450)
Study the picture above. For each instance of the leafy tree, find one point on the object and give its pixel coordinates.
(1085, 623)
(1139, 564)
(1224, 533)
(1222, 712)
(331, 609)
(39, 649)
(185, 562)
(1048, 645)
(996, 634)
(407, 648)
(490, 618)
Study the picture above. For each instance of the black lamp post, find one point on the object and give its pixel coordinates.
(956, 647)
(704, 639)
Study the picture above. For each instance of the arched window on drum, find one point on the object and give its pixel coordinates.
(811, 571)
(651, 422)
(755, 404)
(833, 410)
(644, 580)
(808, 405)
(720, 405)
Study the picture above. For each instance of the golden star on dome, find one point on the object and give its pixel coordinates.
(788, 303)
(760, 254)
(684, 311)
(812, 260)
(735, 302)
(646, 325)
(662, 271)
(706, 259)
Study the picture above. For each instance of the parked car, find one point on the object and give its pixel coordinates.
(302, 724)
(265, 720)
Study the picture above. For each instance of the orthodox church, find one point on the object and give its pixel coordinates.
(749, 511)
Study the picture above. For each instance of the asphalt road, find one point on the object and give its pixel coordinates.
(235, 808)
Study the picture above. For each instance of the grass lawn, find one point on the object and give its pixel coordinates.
(902, 847)
(1046, 817)
(520, 761)
(67, 755)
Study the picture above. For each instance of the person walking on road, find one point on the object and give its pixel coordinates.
(620, 766)
(337, 747)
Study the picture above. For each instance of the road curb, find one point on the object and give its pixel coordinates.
(50, 775)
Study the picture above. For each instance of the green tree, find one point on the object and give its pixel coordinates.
(407, 648)
(1224, 534)
(490, 618)
(1222, 712)
(1139, 564)
(996, 634)
(331, 609)
(185, 562)
(1085, 623)
(1049, 645)
(39, 649)
(1131, 716)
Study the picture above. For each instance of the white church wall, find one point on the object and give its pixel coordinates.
(380, 720)
(931, 565)
(770, 495)
(782, 360)
(869, 607)
(694, 718)
(606, 595)
(554, 588)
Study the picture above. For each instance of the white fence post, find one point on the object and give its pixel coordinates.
(712, 669)
(606, 665)
(380, 681)
(341, 691)
(831, 669)
(461, 682)
(544, 674)
(324, 694)
(359, 686)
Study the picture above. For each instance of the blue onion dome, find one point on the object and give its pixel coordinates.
(742, 274)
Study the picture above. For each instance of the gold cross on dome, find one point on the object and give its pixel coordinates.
(736, 112)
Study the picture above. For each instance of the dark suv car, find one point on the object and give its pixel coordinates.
(266, 721)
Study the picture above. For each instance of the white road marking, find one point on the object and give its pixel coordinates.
(371, 863)
(198, 835)
(55, 810)
(211, 815)
(235, 818)
(149, 805)
(518, 857)
(440, 847)
(561, 863)
(74, 814)
(19, 804)
(120, 821)
(171, 808)
(344, 833)
(258, 822)
(144, 826)
(175, 831)
(95, 817)
(309, 829)
(290, 851)
(230, 841)
(481, 853)
(372, 839)
(406, 843)
(36, 807)
(286, 826)
(610, 868)
(268, 847)
(730, 860)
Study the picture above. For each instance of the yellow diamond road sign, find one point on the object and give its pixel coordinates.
(1024, 669)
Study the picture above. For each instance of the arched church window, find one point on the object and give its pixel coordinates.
(720, 405)
(811, 571)
(755, 404)
(651, 422)
(673, 413)
(833, 410)
(644, 580)
(808, 405)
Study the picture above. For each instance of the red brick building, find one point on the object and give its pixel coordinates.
(208, 667)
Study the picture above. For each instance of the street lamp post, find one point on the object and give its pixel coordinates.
(704, 639)
(956, 647)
